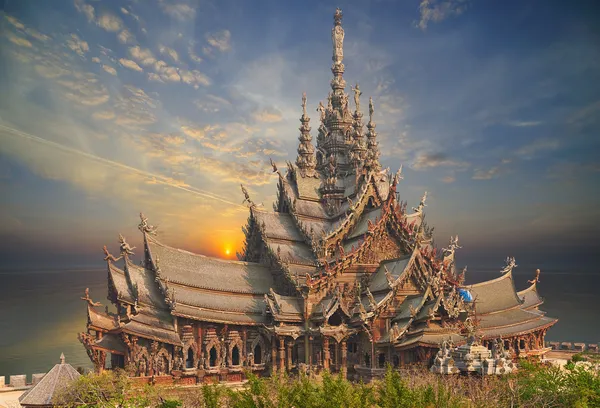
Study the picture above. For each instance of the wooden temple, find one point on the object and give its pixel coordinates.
(340, 276)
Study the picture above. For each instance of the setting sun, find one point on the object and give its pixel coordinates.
(227, 251)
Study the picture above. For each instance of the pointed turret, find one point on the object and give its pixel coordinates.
(358, 151)
(306, 151)
(335, 136)
(372, 159)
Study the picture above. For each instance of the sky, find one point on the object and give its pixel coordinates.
(109, 108)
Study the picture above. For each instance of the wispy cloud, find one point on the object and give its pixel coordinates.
(110, 22)
(127, 63)
(77, 45)
(436, 11)
(427, 160)
(221, 40)
(177, 9)
(540, 145)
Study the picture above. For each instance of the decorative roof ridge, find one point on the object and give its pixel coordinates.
(530, 288)
(149, 325)
(533, 319)
(209, 288)
(155, 241)
(149, 336)
(507, 275)
(219, 310)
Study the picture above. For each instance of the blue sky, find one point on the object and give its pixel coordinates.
(109, 108)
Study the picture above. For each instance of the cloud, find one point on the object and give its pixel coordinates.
(77, 45)
(178, 10)
(86, 9)
(212, 103)
(125, 37)
(135, 108)
(436, 11)
(268, 115)
(194, 132)
(127, 63)
(192, 54)
(16, 23)
(110, 22)
(488, 174)
(20, 41)
(109, 69)
(103, 115)
(524, 123)
(449, 179)
(220, 40)
(85, 90)
(170, 52)
(426, 160)
(96, 60)
(142, 55)
(539, 145)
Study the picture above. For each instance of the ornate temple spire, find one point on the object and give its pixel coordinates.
(306, 152)
(339, 99)
(372, 159)
(358, 151)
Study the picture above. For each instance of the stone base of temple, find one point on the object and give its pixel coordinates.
(368, 374)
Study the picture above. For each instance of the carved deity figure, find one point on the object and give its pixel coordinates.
(304, 103)
(357, 94)
(124, 246)
(321, 110)
(337, 37)
(87, 298)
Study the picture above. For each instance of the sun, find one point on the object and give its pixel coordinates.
(227, 251)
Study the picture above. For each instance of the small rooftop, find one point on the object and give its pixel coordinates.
(43, 392)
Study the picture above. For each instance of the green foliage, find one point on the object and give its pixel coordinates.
(577, 357)
(534, 385)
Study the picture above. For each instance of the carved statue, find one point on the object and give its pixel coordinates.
(145, 227)
(344, 101)
(537, 277)
(329, 101)
(357, 94)
(337, 37)
(247, 197)
(304, 103)
(108, 256)
(510, 264)
(126, 250)
(87, 298)
(321, 110)
(421, 204)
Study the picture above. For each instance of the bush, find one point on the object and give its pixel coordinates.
(534, 385)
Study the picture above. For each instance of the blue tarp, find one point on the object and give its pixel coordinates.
(466, 295)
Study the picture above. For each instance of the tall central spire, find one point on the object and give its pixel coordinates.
(339, 99)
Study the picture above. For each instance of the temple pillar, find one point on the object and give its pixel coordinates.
(290, 346)
(245, 346)
(344, 368)
(274, 355)
(282, 354)
(326, 355)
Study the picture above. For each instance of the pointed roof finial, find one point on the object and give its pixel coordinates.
(62, 358)
(304, 103)
(305, 161)
(337, 17)
(371, 109)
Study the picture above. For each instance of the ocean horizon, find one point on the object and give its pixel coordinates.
(41, 311)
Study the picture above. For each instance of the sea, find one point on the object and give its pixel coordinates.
(41, 311)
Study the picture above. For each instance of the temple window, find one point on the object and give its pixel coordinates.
(335, 319)
(522, 344)
(235, 356)
(213, 357)
(506, 344)
(257, 354)
(367, 360)
(381, 360)
(189, 361)
(396, 361)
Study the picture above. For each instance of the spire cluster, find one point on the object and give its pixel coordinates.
(306, 152)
